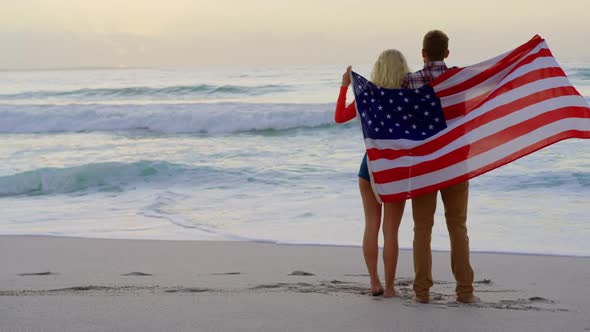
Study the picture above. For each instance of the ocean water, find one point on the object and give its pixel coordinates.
(242, 154)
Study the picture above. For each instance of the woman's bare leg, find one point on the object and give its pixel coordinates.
(392, 217)
(372, 210)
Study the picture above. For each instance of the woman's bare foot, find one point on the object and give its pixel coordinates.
(376, 289)
(389, 292)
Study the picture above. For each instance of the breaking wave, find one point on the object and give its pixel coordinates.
(208, 118)
(108, 176)
(143, 92)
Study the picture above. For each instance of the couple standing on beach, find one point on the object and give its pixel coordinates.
(391, 71)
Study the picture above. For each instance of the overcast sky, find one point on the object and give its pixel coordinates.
(203, 33)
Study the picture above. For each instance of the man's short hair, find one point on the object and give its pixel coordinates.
(435, 44)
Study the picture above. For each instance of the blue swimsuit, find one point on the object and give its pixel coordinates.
(364, 170)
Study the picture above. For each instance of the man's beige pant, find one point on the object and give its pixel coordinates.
(455, 201)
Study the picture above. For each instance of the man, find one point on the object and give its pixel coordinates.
(434, 51)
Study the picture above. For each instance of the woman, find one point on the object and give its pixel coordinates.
(388, 72)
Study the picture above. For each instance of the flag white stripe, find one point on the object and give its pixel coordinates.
(483, 159)
(484, 86)
(538, 63)
(484, 131)
(493, 103)
(474, 70)
(469, 72)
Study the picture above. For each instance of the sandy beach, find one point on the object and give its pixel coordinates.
(72, 284)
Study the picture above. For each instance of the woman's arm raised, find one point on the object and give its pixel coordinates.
(343, 113)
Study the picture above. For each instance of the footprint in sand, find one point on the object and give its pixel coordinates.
(404, 282)
(483, 282)
(540, 299)
(48, 273)
(136, 274)
(188, 290)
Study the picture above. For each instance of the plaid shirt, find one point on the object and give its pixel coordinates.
(431, 71)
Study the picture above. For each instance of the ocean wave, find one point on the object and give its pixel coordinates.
(122, 176)
(206, 118)
(108, 176)
(580, 73)
(143, 92)
(558, 179)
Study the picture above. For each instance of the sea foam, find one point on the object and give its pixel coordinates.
(210, 118)
(146, 92)
(109, 176)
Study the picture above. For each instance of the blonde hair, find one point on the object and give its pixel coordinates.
(389, 69)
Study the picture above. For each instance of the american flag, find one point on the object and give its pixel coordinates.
(468, 121)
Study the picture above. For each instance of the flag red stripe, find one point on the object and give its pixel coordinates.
(501, 65)
(451, 135)
(489, 167)
(446, 75)
(530, 77)
(457, 110)
(542, 53)
(483, 145)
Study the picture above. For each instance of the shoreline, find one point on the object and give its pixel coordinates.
(304, 244)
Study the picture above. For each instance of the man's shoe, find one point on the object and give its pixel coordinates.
(468, 299)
